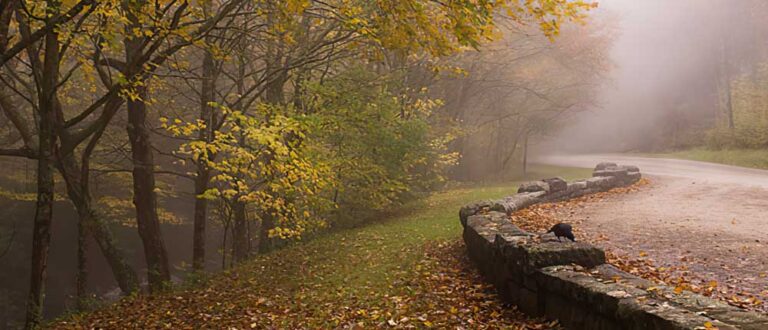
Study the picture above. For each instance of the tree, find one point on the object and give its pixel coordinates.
(260, 164)
(47, 76)
(58, 17)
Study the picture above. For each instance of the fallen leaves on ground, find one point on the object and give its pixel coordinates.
(539, 218)
(442, 290)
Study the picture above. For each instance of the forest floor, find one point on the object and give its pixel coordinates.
(407, 271)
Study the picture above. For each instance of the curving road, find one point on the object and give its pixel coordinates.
(689, 169)
(714, 217)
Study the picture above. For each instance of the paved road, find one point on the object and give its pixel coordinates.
(714, 216)
(700, 171)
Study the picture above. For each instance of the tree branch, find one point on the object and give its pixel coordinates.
(22, 44)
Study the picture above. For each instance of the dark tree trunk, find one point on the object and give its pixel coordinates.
(729, 103)
(200, 218)
(267, 224)
(277, 72)
(78, 190)
(142, 155)
(525, 154)
(144, 195)
(41, 235)
(239, 233)
(207, 95)
(81, 286)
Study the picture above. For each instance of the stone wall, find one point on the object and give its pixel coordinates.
(570, 281)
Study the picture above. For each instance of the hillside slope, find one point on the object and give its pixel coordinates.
(406, 271)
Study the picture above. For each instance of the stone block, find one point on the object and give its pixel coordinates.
(630, 168)
(577, 186)
(656, 314)
(604, 165)
(516, 202)
(512, 292)
(556, 196)
(614, 172)
(601, 183)
(533, 186)
(529, 303)
(583, 289)
(563, 253)
(471, 209)
(556, 184)
(743, 319)
(633, 177)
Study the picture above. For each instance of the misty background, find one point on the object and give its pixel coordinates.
(671, 60)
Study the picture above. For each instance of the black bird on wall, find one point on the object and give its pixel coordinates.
(563, 230)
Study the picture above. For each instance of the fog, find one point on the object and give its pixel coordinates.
(669, 59)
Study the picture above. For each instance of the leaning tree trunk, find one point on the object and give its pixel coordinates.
(78, 190)
(41, 235)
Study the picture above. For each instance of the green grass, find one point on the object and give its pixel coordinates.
(364, 267)
(738, 157)
(434, 218)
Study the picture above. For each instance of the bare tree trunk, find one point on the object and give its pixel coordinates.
(225, 212)
(275, 69)
(142, 156)
(78, 190)
(81, 285)
(41, 236)
(729, 103)
(725, 75)
(224, 248)
(267, 224)
(200, 218)
(239, 233)
(207, 96)
(525, 154)
(207, 115)
(144, 195)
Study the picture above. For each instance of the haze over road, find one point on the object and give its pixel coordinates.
(713, 216)
(702, 171)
